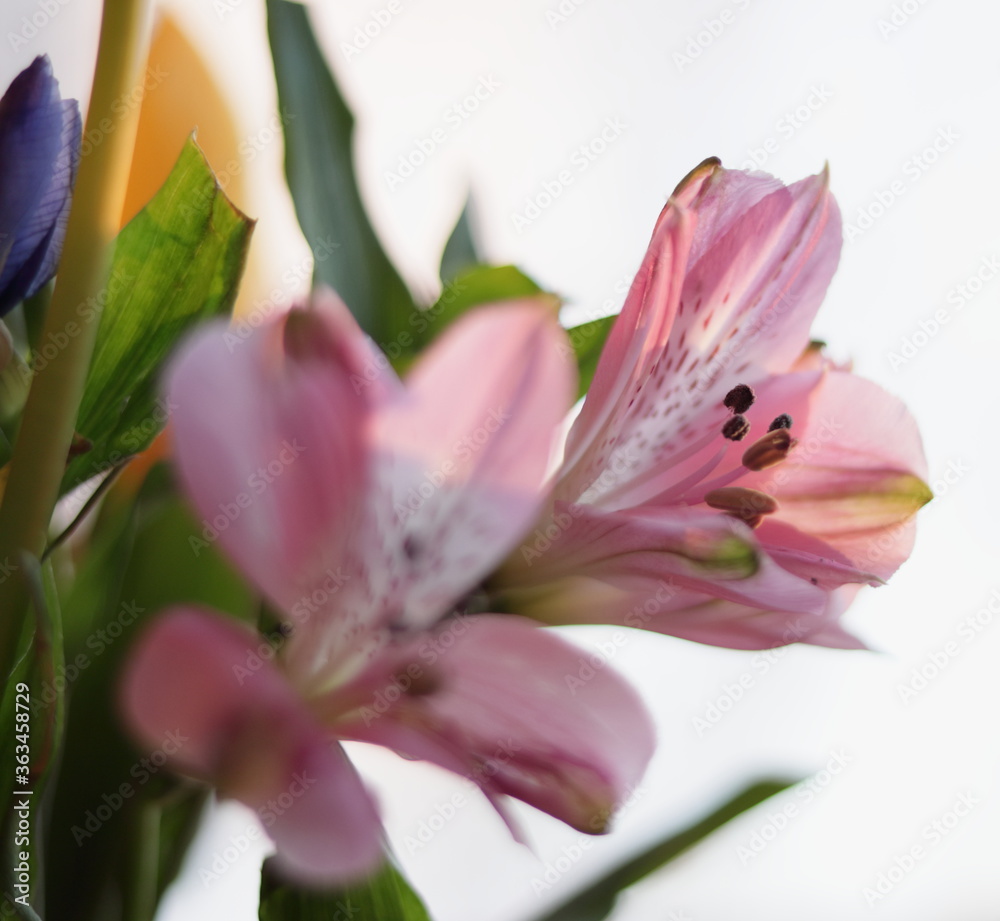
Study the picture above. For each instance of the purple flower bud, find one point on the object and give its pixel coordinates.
(39, 154)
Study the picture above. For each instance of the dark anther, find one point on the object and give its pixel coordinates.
(739, 399)
(736, 428)
(784, 421)
(411, 547)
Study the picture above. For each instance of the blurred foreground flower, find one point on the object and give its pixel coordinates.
(366, 510)
(724, 482)
(39, 153)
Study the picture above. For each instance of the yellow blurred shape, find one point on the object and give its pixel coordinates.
(181, 96)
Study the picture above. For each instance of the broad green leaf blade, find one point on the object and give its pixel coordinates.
(385, 897)
(481, 285)
(598, 900)
(460, 252)
(588, 342)
(178, 261)
(319, 166)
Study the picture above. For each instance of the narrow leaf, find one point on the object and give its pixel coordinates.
(460, 252)
(598, 900)
(319, 166)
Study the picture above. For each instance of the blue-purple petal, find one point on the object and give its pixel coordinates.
(39, 154)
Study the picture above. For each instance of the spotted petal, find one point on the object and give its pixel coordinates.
(750, 260)
(463, 455)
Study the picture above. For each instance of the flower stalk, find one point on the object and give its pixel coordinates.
(39, 458)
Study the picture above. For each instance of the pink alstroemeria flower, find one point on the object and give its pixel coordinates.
(724, 482)
(366, 509)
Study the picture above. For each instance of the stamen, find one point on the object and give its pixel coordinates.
(736, 429)
(420, 681)
(784, 421)
(769, 450)
(743, 502)
(739, 399)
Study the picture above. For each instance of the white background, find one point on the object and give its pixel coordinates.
(886, 95)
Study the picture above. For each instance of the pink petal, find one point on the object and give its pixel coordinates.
(690, 549)
(463, 456)
(630, 355)
(268, 433)
(521, 712)
(201, 688)
(753, 260)
(856, 478)
(663, 606)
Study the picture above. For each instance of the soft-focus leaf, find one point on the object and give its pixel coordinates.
(480, 285)
(177, 262)
(598, 900)
(320, 170)
(384, 897)
(142, 559)
(588, 342)
(460, 252)
(39, 661)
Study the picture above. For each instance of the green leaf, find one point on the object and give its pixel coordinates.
(598, 900)
(178, 261)
(320, 170)
(588, 343)
(460, 252)
(141, 560)
(384, 897)
(481, 285)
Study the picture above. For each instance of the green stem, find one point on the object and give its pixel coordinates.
(142, 882)
(39, 459)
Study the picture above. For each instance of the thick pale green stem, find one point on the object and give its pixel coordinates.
(74, 314)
